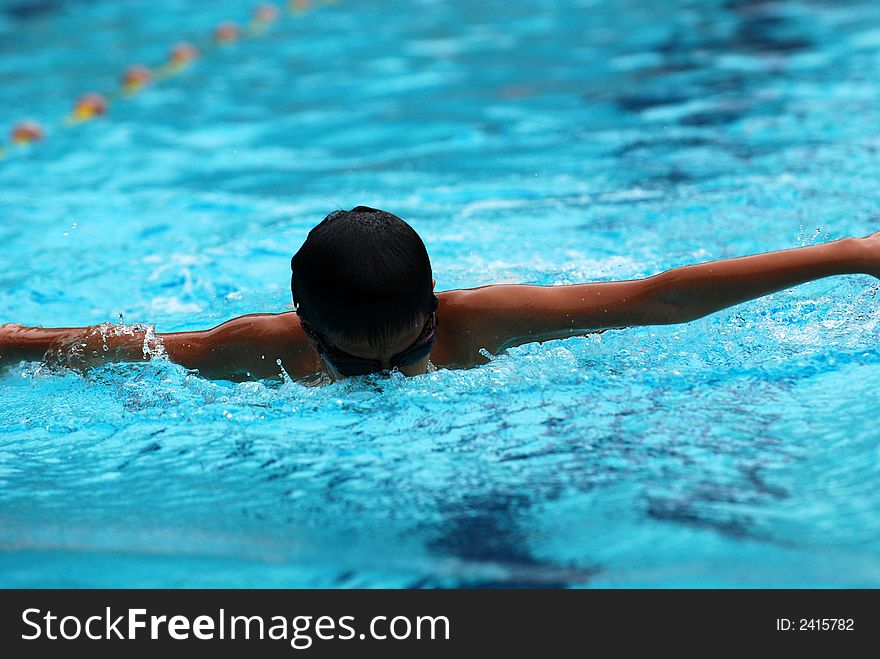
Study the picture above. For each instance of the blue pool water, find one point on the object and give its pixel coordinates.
(545, 142)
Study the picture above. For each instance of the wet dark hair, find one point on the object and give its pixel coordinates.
(363, 274)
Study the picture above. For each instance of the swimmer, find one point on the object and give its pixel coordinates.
(364, 302)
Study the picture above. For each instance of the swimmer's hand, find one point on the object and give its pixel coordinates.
(7, 358)
(79, 348)
(510, 315)
(871, 246)
(9, 352)
(245, 348)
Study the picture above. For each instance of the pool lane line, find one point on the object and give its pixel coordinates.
(136, 78)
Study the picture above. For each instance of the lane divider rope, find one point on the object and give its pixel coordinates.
(136, 78)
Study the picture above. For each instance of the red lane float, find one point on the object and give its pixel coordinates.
(265, 14)
(183, 53)
(136, 77)
(89, 106)
(25, 132)
(227, 33)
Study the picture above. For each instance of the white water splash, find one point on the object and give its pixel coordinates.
(107, 342)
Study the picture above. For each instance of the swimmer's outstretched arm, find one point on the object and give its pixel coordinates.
(244, 348)
(511, 315)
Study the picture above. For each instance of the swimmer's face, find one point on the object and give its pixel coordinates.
(406, 350)
(383, 350)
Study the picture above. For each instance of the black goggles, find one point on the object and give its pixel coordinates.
(351, 365)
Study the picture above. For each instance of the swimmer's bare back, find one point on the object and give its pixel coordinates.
(472, 321)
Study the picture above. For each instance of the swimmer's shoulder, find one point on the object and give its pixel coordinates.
(262, 340)
(272, 324)
(464, 329)
(266, 327)
(281, 331)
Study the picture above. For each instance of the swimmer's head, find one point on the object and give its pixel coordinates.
(362, 282)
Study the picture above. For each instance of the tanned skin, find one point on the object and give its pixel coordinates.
(490, 318)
